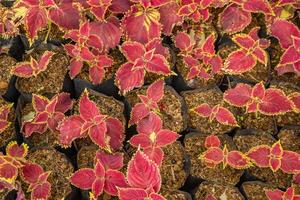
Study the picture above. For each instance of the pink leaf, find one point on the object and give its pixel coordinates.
(138, 112)
(71, 129)
(169, 17)
(75, 67)
(166, 137)
(274, 195)
(16, 151)
(234, 19)
(224, 116)
(244, 41)
(31, 172)
(212, 141)
(156, 90)
(261, 55)
(143, 173)
(259, 155)
(115, 132)
(275, 102)
(132, 194)
(290, 162)
(133, 50)
(44, 60)
(213, 155)
(23, 69)
(237, 160)
(151, 124)
(35, 20)
(39, 103)
(114, 179)
(159, 65)
(284, 37)
(238, 96)
(64, 102)
(87, 108)
(182, 41)
(127, 79)
(239, 62)
(141, 140)
(83, 178)
(97, 134)
(261, 6)
(203, 110)
(110, 161)
(291, 55)
(97, 187)
(41, 191)
(155, 154)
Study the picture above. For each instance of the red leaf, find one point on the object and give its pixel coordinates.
(66, 15)
(237, 160)
(244, 41)
(28, 128)
(133, 51)
(97, 134)
(143, 173)
(16, 151)
(110, 161)
(261, 6)
(31, 172)
(155, 154)
(169, 17)
(274, 195)
(275, 102)
(83, 178)
(290, 56)
(71, 129)
(44, 61)
(141, 140)
(156, 90)
(97, 188)
(132, 194)
(182, 41)
(41, 191)
(141, 25)
(234, 19)
(39, 102)
(258, 91)
(114, 179)
(159, 65)
(151, 124)
(8, 172)
(212, 141)
(290, 162)
(239, 62)
(35, 20)
(87, 108)
(239, 96)
(259, 155)
(224, 116)
(284, 37)
(295, 98)
(138, 112)
(261, 55)
(127, 79)
(64, 102)
(115, 132)
(155, 196)
(75, 67)
(23, 69)
(165, 137)
(213, 155)
(204, 110)
(208, 45)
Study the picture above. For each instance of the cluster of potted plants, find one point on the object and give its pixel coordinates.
(150, 99)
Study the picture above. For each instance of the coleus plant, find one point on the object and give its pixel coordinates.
(152, 137)
(269, 101)
(149, 102)
(37, 14)
(105, 177)
(105, 131)
(252, 50)
(81, 52)
(141, 23)
(48, 113)
(4, 112)
(290, 42)
(277, 194)
(195, 10)
(33, 174)
(151, 57)
(237, 15)
(214, 155)
(199, 56)
(219, 113)
(33, 67)
(275, 158)
(143, 177)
